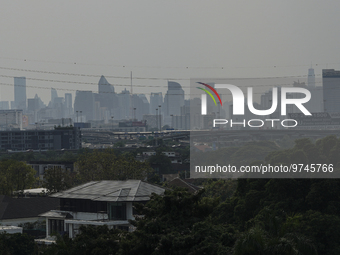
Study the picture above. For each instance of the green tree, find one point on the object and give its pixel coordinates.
(162, 161)
(220, 188)
(177, 223)
(57, 179)
(274, 238)
(15, 176)
(106, 165)
(17, 244)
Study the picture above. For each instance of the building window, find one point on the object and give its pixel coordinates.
(56, 226)
(117, 211)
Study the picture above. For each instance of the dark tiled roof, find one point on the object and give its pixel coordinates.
(14, 208)
(129, 190)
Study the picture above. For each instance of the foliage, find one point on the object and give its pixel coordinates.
(177, 223)
(106, 165)
(119, 144)
(57, 179)
(92, 240)
(162, 161)
(18, 244)
(244, 216)
(33, 225)
(220, 188)
(15, 176)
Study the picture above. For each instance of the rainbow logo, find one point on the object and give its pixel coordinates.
(209, 93)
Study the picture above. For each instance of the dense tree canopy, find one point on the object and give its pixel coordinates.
(241, 217)
(106, 165)
(15, 176)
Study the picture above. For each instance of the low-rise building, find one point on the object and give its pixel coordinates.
(169, 153)
(149, 153)
(98, 203)
(57, 139)
(41, 166)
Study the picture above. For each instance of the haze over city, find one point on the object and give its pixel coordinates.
(163, 40)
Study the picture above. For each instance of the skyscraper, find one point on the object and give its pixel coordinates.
(331, 90)
(106, 94)
(156, 99)
(20, 93)
(174, 99)
(84, 105)
(104, 86)
(315, 104)
(311, 78)
(54, 95)
(68, 105)
(124, 102)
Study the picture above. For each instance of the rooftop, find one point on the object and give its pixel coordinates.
(14, 208)
(112, 191)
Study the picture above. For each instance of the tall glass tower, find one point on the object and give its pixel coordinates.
(20, 93)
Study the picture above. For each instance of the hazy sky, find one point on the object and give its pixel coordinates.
(162, 39)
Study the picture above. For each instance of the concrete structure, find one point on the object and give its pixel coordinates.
(151, 121)
(98, 203)
(132, 126)
(149, 153)
(57, 139)
(11, 119)
(10, 229)
(331, 90)
(169, 153)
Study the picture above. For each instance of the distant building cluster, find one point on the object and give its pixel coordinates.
(102, 108)
(172, 111)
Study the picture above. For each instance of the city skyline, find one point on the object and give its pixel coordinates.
(69, 50)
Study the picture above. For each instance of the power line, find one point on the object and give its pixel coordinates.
(75, 90)
(168, 67)
(143, 78)
(152, 86)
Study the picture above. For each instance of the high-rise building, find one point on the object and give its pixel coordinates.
(311, 78)
(54, 95)
(141, 106)
(106, 93)
(4, 105)
(84, 105)
(331, 90)
(174, 99)
(315, 104)
(20, 93)
(124, 102)
(156, 99)
(68, 105)
(104, 86)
